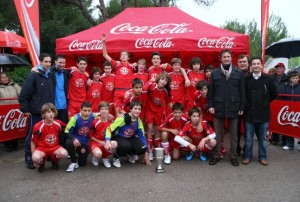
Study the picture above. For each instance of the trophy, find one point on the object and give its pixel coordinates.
(159, 155)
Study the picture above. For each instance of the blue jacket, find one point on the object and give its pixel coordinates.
(293, 90)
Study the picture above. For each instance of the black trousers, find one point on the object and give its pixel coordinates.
(82, 156)
(129, 146)
(62, 115)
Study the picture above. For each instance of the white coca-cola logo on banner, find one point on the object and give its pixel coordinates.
(222, 42)
(82, 46)
(14, 119)
(286, 117)
(168, 28)
(13, 43)
(154, 43)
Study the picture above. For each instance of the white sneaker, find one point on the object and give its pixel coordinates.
(167, 159)
(150, 154)
(95, 161)
(286, 148)
(72, 167)
(133, 158)
(106, 163)
(117, 163)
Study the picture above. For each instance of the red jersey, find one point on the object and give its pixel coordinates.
(124, 73)
(157, 99)
(142, 76)
(142, 98)
(194, 77)
(153, 72)
(108, 86)
(93, 95)
(190, 131)
(45, 135)
(98, 128)
(172, 123)
(177, 87)
(77, 86)
(202, 103)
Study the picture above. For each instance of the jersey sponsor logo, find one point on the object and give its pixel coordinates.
(194, 81)
(110, 86)
(96, 93)
(83, 131)
(79, 83)
(222, 42)
(156, 100)
(124, 70)
(128, 132)
(174, 85)
(50, 139)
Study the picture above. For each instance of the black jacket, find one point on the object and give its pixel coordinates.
(227, 97)
(36, 91)
(259, 94)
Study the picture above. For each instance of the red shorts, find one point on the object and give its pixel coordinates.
(112, 109)
(155, 118)
(105, 152)
(73, 107)
(49, 151)
(119, 97)
(206, 148)
(188, 105)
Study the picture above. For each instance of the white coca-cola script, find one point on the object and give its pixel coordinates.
(154, 43)
(286, 117)
(222, 42)
(168, 28)
(13, 43)
(14, 119)
(82, 46)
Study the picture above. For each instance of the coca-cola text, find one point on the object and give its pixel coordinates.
(82, 46)
(154, 43)
(14, 119)
(285, 117)
(222, 42)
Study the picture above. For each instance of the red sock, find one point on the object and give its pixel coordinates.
(150, 145)
(165, 145)
(157, 142)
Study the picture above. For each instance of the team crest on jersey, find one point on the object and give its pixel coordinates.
(95, 93)
(156, 100)
(79, 83)
(154, 75)
(109, 86)
(83, 131)
(50, 139)
(194, 81)
(174, 85)
(128, 132)
(124, 70)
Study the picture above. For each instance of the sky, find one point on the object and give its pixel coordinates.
(245, 11)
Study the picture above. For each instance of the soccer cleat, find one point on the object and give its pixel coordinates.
(106, 163)
(189, 156)
(167, 159)
(95, 161)
(41, 168)
(150, 154)
(116, 163)
(55, 165)
(72, 167)
(131, 158)
(287, 148)
(202, 157)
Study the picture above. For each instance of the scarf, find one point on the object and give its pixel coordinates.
(226, 72)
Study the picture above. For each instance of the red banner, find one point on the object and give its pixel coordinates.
(28, 12)
(264, 26)
(13, 123)
(285, 118)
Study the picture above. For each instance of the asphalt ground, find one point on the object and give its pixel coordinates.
(182, 181)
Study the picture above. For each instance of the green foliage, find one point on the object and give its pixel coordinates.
(19, 74)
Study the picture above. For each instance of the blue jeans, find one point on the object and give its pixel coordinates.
(261, 130)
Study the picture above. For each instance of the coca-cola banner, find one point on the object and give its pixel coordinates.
(28, 12)
(285, 118)
(13, 123)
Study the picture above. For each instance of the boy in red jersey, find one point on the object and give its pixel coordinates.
(208, 69)
(77, 87)
(141, 74)
(195, 75)
(97, 136)
(197, 141)
(108, 86)
(135, 93)
(94, 89)
(158, 97)
(124, 73)
(45, 139)
(169, 129)
(157, 68)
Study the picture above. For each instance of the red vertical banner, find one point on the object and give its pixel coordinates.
(28, 12)
(264, 26)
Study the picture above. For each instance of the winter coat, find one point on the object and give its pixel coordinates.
(11, 90)
(227, 97)
(293, 90)
(259, 94)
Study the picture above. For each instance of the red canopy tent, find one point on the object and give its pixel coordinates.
(142, 31)
(12, 43)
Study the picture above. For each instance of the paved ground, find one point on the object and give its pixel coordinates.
(182, 181)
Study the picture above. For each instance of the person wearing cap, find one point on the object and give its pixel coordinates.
(281, 80)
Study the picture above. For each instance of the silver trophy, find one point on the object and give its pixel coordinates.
(159, 155)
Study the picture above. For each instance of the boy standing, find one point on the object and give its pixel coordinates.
(108, 86)
(78, 130)
(45, 139)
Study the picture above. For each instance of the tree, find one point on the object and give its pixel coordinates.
(276, 30)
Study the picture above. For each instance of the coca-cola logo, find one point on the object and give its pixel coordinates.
(285, 117)
(154, 43)
(82, 46)
(222, 42)
(13, 43)
(14, 119)
(168, 28)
